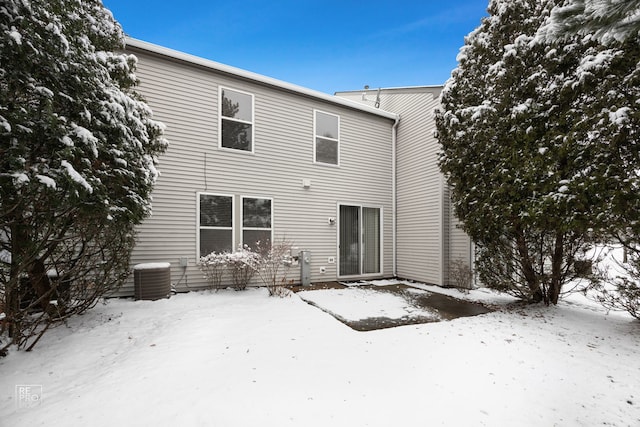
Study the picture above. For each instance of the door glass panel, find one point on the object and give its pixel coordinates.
(349, 240)
(371, 240)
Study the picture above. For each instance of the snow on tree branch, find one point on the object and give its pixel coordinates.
(606, 20)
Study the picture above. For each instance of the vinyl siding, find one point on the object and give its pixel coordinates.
(185, 98)
(457, 242)
(419, 194)
(427, 236)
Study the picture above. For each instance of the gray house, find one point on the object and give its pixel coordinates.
(352, 181)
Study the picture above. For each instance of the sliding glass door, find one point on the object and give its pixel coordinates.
(359, 240)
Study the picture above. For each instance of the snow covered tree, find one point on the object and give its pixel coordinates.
(521, 180)
(612, 76)
(78, 151)
(606, 20)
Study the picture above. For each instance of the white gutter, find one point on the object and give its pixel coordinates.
(394, 195)
(257, 78)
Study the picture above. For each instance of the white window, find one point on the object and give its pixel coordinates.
(215, 224)
(236, 120)
(326, 144)
(257, 221)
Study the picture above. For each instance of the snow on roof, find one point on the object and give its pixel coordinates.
(258, 78)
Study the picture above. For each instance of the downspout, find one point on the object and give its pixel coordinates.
(444, 234)
(394, 194)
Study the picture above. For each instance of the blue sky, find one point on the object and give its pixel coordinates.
(324, 45)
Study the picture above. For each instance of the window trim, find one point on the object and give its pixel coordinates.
(316, 136)
(221, 118)
(199, 194)
(243, 228)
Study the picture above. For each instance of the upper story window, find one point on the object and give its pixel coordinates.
(327, 138)
(236, 120)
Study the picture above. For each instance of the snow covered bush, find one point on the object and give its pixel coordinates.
(269, 262)
(214, 266)
(78, 161)
(274, 264)
(242, 264)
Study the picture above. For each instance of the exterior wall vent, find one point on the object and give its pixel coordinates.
(152, 281)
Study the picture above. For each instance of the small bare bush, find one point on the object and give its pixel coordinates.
(280, 290)
(274, 264)
(460, 275)
(617, 286)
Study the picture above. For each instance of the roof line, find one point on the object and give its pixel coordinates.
(258, 78)
(375, 89)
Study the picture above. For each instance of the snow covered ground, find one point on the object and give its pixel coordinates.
(245, 359)
(353, 304)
